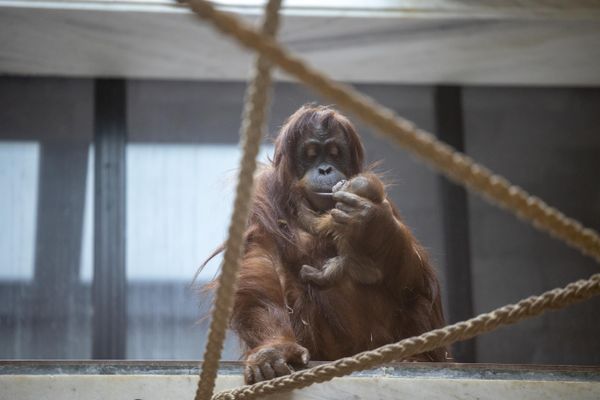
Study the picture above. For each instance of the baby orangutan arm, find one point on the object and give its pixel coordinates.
(348, 263)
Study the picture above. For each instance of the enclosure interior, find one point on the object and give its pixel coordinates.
(181, 156)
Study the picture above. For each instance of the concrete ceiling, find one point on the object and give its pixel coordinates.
(420, 42)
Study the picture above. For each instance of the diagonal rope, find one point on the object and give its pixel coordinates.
(455, 165)
(532, 306)
(255, 108)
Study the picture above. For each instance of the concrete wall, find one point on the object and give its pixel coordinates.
(548, 142)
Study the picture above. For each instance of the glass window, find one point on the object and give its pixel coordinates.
(179, 200)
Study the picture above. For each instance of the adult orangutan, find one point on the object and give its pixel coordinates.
(329, 268)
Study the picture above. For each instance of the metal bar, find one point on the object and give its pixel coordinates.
(109, 285)
(455, 215)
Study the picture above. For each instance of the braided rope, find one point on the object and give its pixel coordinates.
(573, 293)
(455, 165)
(255, 108)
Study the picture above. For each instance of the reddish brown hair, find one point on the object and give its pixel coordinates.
(276, 195)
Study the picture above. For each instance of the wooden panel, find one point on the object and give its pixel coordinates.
(539, 43)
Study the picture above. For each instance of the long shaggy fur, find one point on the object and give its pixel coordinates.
(273, 305)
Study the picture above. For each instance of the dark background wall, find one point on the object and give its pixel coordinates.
(543, 139)
(547, 141)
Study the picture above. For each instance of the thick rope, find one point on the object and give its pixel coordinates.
(455, 165)
(532, 306)
(255, 109)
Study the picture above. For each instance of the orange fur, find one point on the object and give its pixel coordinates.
(275, 309)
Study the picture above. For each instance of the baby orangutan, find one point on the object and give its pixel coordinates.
(336, 224)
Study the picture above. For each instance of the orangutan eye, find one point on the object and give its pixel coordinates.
(311, 151)
(334, 151)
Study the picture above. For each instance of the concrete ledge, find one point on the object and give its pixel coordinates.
(177, 380)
